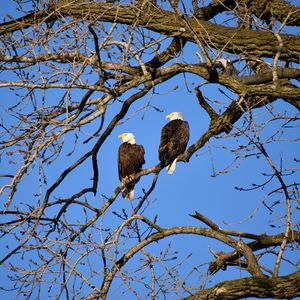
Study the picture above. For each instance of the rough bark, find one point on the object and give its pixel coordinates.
(278, 9)
(261, 242)
(233, 40)
(287, 287)
(262, 9)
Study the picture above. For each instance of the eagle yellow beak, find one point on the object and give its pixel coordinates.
(168, 116)
(120, 136)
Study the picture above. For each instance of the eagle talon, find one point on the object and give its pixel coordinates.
(127, 178)
(124, 179)
(130, 177)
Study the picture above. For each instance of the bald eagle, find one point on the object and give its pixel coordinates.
(173, 141)
(130, 162)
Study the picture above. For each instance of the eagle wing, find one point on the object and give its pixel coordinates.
(174, 138)
(130, 159)
(130, 162)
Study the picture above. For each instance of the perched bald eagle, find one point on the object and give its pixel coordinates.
(174, 138)
(130, 162)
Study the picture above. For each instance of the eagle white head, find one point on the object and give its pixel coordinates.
(175, 116)
(127, 137)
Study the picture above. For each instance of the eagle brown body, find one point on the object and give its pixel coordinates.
(173, 141)
(130, 162)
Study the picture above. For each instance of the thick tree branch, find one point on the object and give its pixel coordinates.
(262, 242)
(224, 122)
(171, 52)
(212, 114)
(287, 287)
(267, 76)
(257, 43)
(163, 233)
(214, 226)
(277, 9)
(262, 9)
(214, 8)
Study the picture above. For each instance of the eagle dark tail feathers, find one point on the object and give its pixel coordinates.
(163, 163)
(164, 160)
